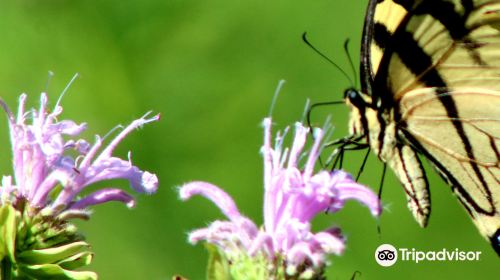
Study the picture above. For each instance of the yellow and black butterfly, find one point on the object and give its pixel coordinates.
(430, 85)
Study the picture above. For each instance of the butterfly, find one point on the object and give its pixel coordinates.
(430, 86)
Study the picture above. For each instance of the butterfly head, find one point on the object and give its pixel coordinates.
(354, 97)
(360, 104)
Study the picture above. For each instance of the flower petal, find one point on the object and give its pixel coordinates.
(116, 168)
(349, 189)
(330, 243)
(41, 162)
(102, 196)
(106, 153)
(67, 127)
(216, 195)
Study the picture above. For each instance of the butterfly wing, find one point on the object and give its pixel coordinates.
(441, 44)
(379, 13)
(474, 175)
(440, 72)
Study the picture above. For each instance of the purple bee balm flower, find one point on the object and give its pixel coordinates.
(51, 169)
(43, 162)
(292, 198)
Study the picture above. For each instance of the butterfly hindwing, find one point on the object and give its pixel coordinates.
(474, 177)
(409, 170)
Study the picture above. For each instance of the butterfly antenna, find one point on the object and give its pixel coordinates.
(349, 57)
(319, 104)
(275, 96)
(304, 38)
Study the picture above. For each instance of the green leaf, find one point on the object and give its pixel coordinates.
(54, 271)
(76, 261)
(52, 255)
(218, 266)
(8, 229)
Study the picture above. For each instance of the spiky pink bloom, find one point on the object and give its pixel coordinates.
(292, 198)
(52, 166)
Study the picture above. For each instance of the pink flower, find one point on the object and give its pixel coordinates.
(292, 198)
(49, 177)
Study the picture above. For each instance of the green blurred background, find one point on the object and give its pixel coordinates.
(210, 68)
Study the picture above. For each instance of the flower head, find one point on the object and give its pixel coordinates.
(52, 166)
(292, 198)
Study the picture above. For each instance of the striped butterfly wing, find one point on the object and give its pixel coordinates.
(385, 13)
(471, 167)
(440, 71)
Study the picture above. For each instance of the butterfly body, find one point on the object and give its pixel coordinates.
(430, 74)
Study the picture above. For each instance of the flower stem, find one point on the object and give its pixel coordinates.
(6, 269)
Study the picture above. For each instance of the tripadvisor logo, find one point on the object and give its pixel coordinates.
(387, 255)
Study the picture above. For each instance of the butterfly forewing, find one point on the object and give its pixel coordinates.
(389, 14)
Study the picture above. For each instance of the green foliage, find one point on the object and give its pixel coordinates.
(53, 271)
(37, 246)
(241, 266)
(8, 229)
(52, 255)
(218, 266)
